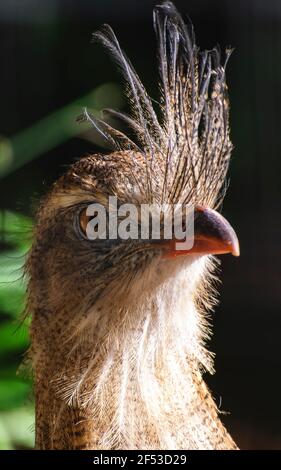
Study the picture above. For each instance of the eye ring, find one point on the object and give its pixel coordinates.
(82, 220)
(97, 230)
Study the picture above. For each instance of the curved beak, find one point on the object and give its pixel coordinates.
(212, 235)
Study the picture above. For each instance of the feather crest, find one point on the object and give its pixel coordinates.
(188, 147)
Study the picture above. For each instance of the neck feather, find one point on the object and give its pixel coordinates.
(133, 380)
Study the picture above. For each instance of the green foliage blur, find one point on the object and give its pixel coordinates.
(16, 407)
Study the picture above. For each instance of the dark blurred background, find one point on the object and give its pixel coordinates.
(50, 70)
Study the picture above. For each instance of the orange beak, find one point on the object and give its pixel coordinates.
(212, 235)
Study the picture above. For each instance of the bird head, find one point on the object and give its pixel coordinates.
(178, 157)
(88, 269)
(109, 311)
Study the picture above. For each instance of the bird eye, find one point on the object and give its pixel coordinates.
(83, 220)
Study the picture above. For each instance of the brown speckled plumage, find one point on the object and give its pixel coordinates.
(117, 332)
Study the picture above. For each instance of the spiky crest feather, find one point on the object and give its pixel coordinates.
(188, 147)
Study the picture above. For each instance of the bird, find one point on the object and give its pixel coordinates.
(119, 327)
